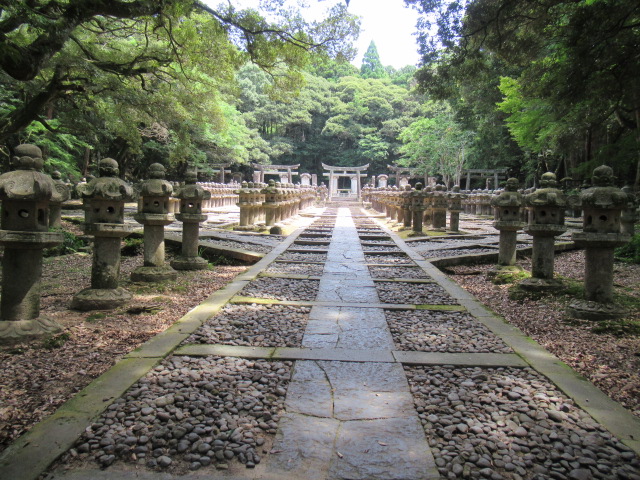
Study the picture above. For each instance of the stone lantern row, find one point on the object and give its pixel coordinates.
(26, 196)
(271, 203)
(603, 206)
(412, 208)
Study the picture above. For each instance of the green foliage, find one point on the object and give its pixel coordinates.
(95, 317)
(56, 341)
(618, 328)
(371, 64)
(70, 244)
(144, 81)
(436, 143)
(568, 79)
(132, 246)
(629, 252)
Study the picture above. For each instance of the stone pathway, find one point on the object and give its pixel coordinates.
(398, 376)
(349, 420)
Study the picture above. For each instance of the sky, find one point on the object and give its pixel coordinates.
(387, 22)
(391, 26)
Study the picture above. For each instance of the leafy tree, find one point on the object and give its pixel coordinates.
(573, 61)
(436, 144)
(371, 65)
(143, 72)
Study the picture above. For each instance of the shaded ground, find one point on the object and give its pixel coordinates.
(37, 377)
(609, 359)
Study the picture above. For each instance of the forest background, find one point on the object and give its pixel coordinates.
(527, 86)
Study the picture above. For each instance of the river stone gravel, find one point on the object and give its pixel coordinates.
(397, 272)
(387, 259)
(431, 331)
(311, 269)
(254, 325)
(380, 248)
(298, 246)
(510, 423)
(281, 289)
(455, 252)
(191, 412)
(303, 257)
(252, 247)
(413, 293)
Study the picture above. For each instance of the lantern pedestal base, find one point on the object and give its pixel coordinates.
(154, 274)
(540, 284)
(100, 299)
(189, 263)
(17, 330)
(595, 311)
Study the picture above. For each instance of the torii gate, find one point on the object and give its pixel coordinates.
(280, 170)
(354, 173)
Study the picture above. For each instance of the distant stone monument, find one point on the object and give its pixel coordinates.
(191, 196)
(508, 221)
(546, 209)
(154, 214)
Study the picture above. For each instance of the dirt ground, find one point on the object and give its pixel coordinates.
(37, 377)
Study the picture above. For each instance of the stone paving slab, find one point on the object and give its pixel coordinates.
(305, 446)
(385, 449)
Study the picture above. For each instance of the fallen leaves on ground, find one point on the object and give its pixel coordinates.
(612, 363)
(39, 376)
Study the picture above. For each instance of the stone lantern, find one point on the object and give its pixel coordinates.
(417, 207)
(427, 200)
(191, 196)
(439, 208)
(508, 220)
(405, 199)
(154, 214)
(61, 193)
(104, 198)
(629, 215)
(454, 206)
(602, 205)
(270, 203)
(244, 203)
(25, 194)
(546, 208)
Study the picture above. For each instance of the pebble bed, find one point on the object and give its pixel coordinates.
(413, 293)
(455, 332)
(380, 248)
(252, 247)
(297, 247)
(509, 423)
(192, 412)
(376, 242)
(388, 259)
(397, 272)
(323, 238)
(311, 269)
(456, 252)
(303, 257)
(281, 289)
(255, 326)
